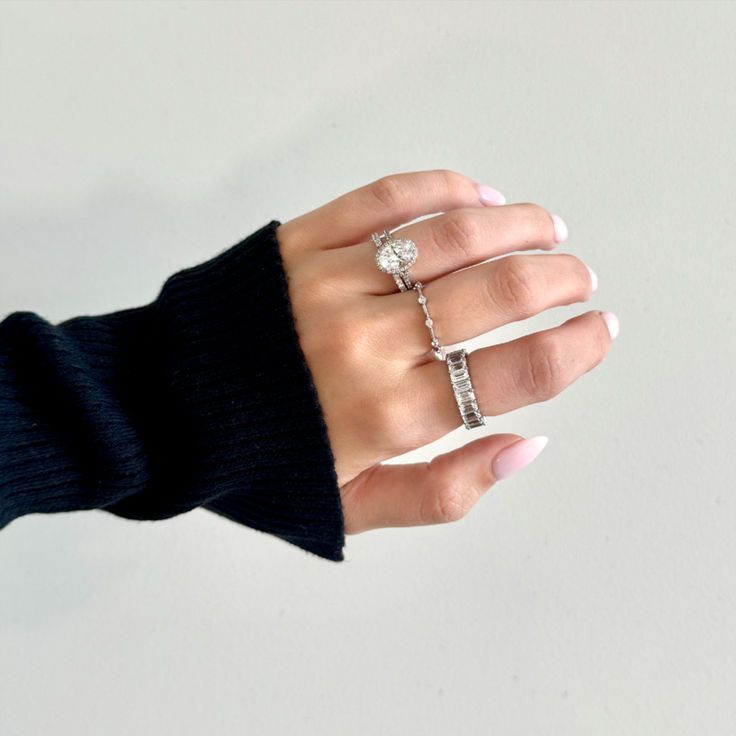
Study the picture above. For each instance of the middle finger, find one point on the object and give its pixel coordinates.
(454, 240)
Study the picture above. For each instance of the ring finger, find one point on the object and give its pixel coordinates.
(507, 376)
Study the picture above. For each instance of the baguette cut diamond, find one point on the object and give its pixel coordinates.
(462, 387)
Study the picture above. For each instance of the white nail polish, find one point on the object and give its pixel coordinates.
(612, 323)
(593, 278)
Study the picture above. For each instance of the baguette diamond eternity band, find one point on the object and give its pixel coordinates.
(457, 366)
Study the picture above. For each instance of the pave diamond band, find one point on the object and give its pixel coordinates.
(395, 256)
(437, 349)
(462, 387)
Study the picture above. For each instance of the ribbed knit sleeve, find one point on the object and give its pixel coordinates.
(200, 398)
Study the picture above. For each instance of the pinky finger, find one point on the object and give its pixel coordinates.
(437, 492)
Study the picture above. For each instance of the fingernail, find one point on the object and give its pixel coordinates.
(593, 278)
(517, 456)
(612, 323)
(560, 229)
(489, 196)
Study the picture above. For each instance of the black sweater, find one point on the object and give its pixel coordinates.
(201, 398)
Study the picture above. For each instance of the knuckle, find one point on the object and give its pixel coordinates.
(451, 497)
(347, 336)
(448, 504)
(383, 415)
(357, 336)
(457, 232)
(513, 287)
(389, 191)
(544, 374)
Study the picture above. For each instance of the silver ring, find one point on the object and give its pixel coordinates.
(395, 256)
(437, 349)
(462, 387)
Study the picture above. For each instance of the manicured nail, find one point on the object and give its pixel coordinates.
(611, 321)
(560, 229)
(517, 456)
(593, 278)
(489, 196)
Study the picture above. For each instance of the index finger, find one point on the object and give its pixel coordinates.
(385, 204)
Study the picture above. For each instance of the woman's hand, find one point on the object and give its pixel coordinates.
(368, 348)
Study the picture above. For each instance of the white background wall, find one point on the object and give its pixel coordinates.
(592, 594)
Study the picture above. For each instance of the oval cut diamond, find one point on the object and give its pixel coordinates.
(406, 250)
(396, 255)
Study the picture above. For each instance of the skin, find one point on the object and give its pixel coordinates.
(381, 391)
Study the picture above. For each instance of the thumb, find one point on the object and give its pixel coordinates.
(435, 492)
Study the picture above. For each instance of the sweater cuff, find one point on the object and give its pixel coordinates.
(257, 444)
(290, 487)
